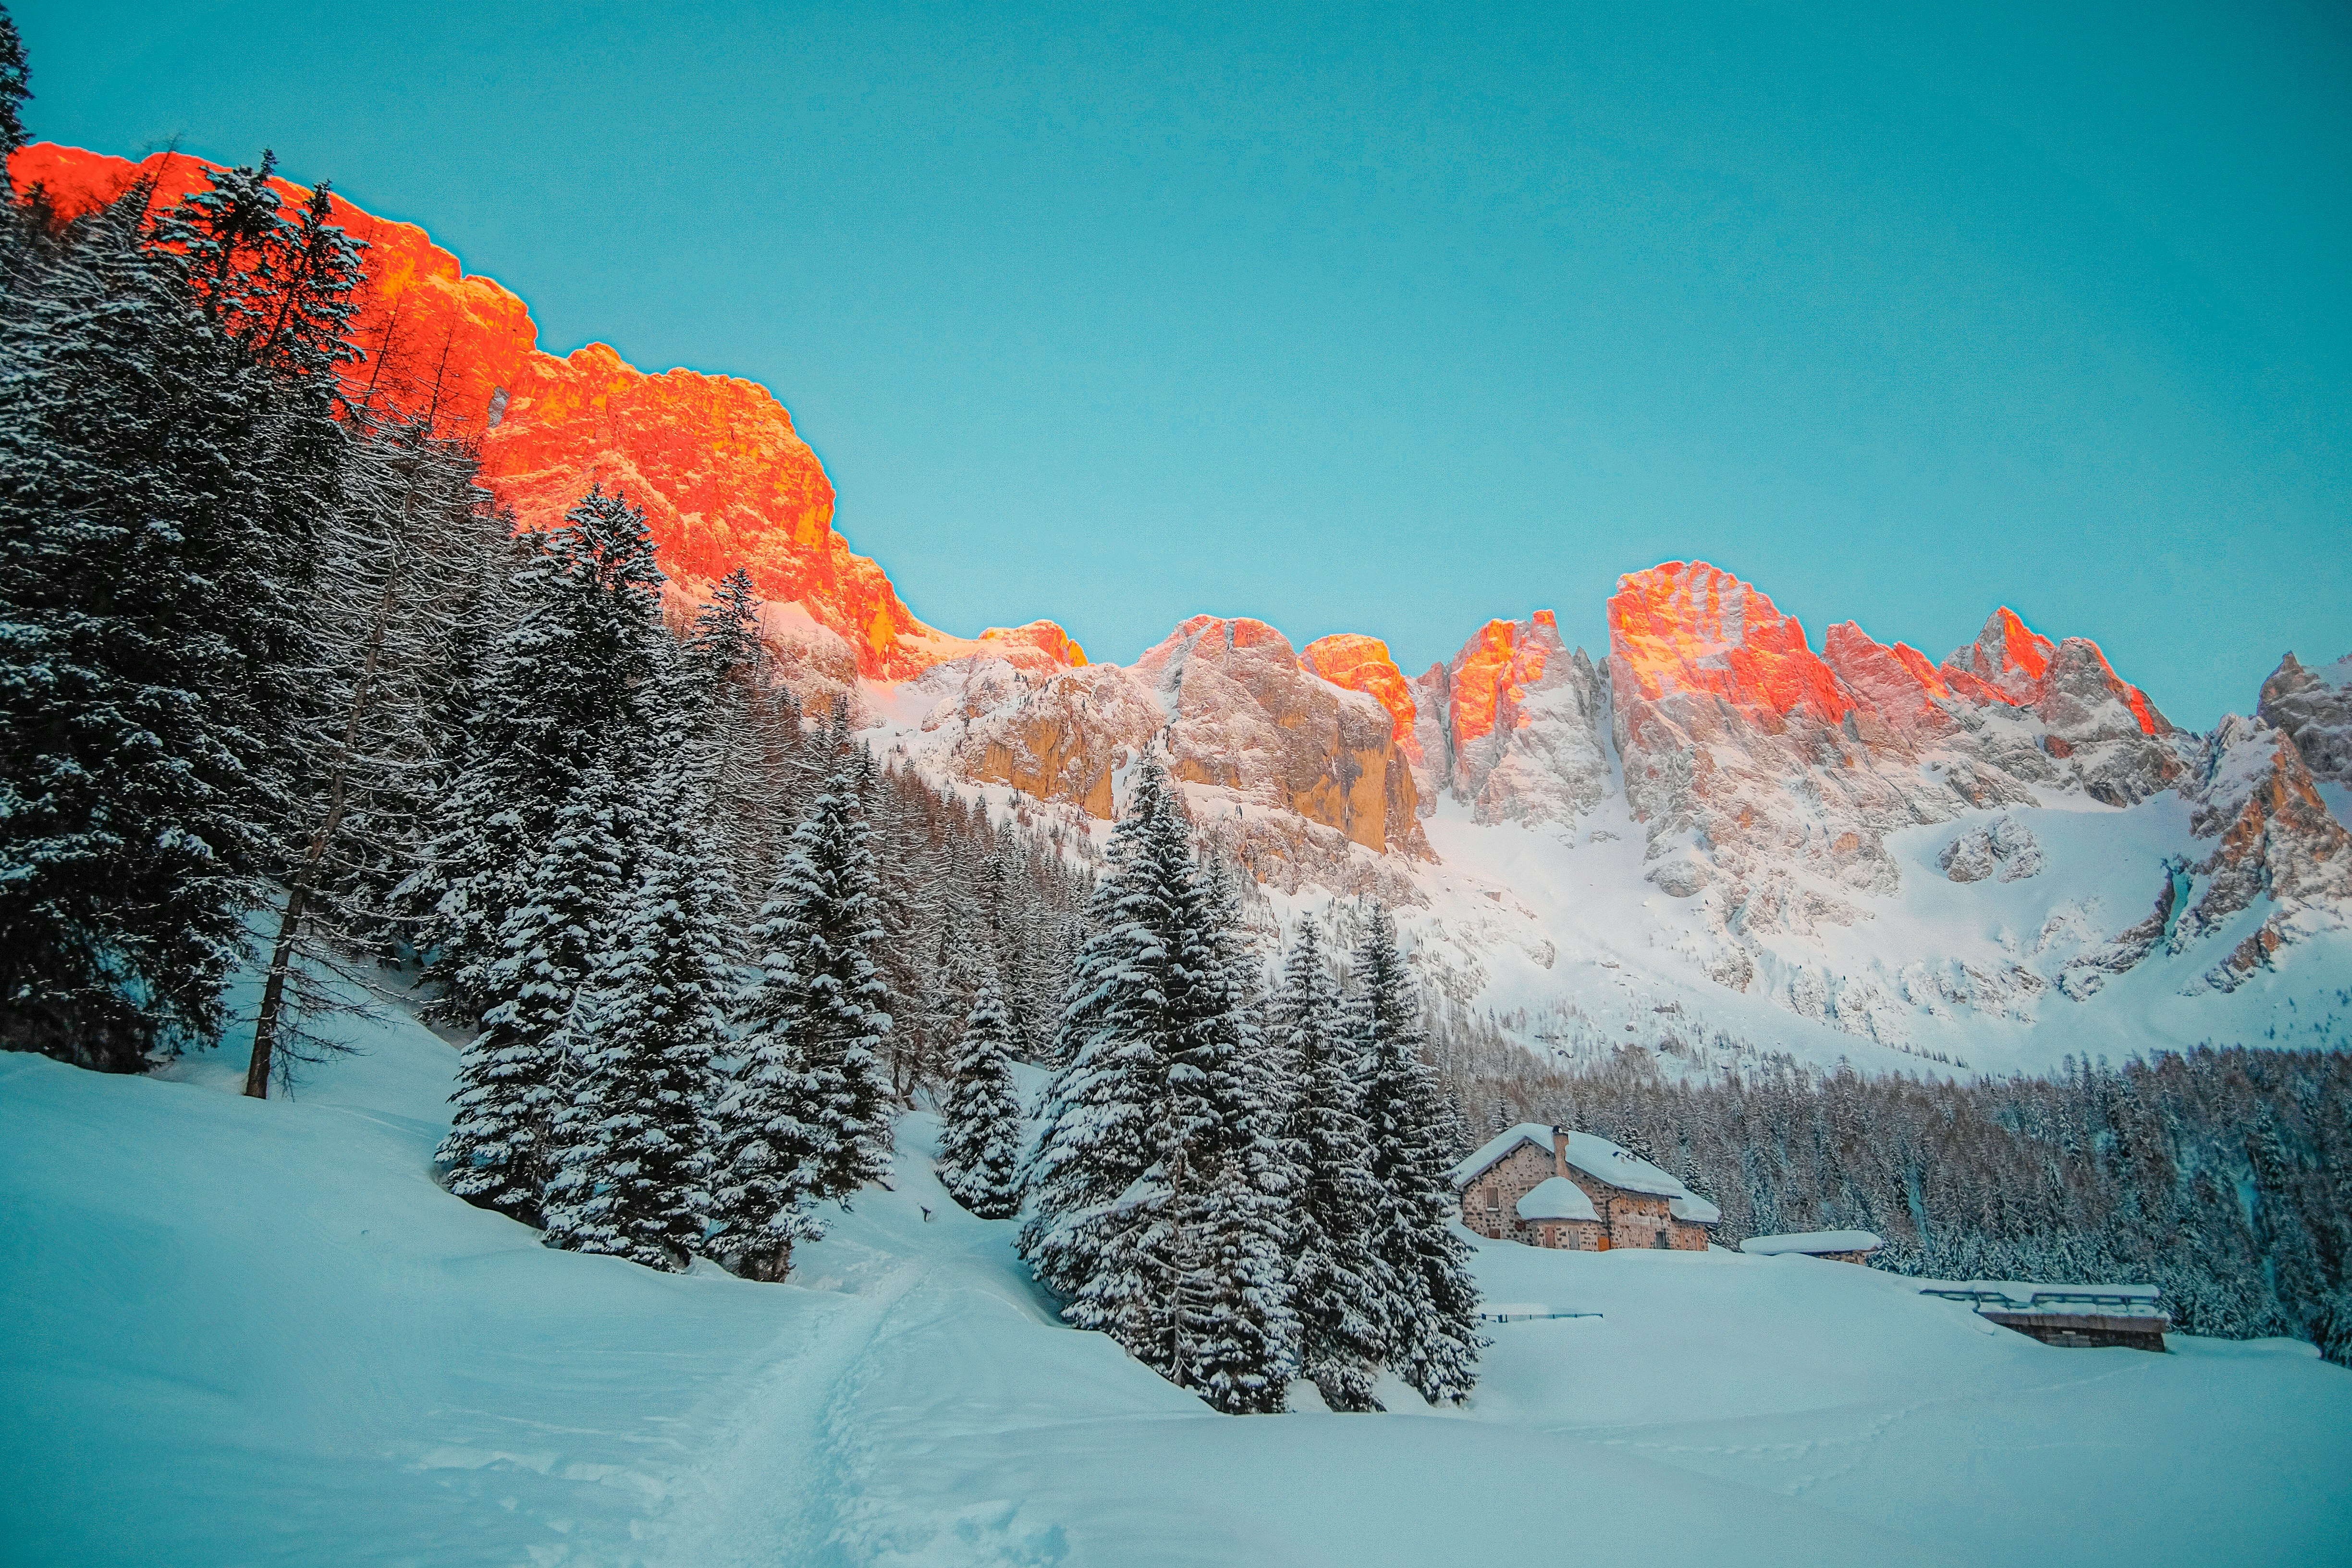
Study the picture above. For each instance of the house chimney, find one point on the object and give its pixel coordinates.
(1559, 1150)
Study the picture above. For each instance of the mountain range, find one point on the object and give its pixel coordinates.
(1717, 841)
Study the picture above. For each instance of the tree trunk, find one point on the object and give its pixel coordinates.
(767, 1265)
(298, 898)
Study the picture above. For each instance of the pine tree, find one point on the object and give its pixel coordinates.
(138, 592)
(402, 560)
(1156, 1180)
(810, 1116)
(1432, 1313)
(1337, 1284)
(637, 1150)
(980, 1132)
(15, 86)
(515, 1077)
(567, 690)
(1239, 1330)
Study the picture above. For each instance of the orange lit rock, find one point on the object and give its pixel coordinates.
(724, 479)
(1518, 735)
(1900, 685)
(1685, 628)
(1363, 664)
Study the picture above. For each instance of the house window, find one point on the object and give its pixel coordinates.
(1493, 1197)
(1662, 1239)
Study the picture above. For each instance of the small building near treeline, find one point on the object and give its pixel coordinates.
(1836, 1245)
(2073, 1317)
(1549, 1187)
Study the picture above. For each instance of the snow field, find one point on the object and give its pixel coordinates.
(252, 1333)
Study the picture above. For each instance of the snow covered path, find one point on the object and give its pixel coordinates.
(245, 1333)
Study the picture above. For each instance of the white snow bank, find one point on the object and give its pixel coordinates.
(247, 1332)
(1811, 1243)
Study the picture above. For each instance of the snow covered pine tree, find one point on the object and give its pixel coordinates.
(515, 1077)
(159, 471)
(637, 1146)
(560, 738)
(1432, 1310)
(980, 1144)
(564, 692)
(1338, 1287)
(1156, 1219)
(808, 1116)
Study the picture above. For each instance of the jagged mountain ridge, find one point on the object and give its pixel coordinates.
(1714, 833)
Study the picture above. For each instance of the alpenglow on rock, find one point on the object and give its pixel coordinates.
(714, 462)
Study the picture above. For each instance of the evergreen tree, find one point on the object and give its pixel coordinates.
(812, 1113)
(403, 559)
(137, 589)
(1431, 1314)
(568, 690)
(1156, 1179)
(1337, 1284)
(15, 86)
(517, 1074)
(637, 1150)
(1236, 1179)
(980, 1132)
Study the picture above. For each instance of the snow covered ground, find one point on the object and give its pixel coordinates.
(251, 1333)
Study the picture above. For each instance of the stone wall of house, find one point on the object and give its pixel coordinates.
(1566, 1235)
(1490, 1204)
(1638, 1219)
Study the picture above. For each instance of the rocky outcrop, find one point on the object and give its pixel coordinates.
(2313, 707)
(2003, 849)
(2273, 838)
(1066, 736)
(1777, 772)
(723, 477)
(1523, 719)
(1244, 715)
(1513, 726)
(1226, 704)
(1752, 764)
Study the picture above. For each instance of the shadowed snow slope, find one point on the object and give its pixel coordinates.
(244, 1332)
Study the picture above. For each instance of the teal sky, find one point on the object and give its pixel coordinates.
(1393, 319)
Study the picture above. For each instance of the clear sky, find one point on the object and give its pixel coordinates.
(1396, 318)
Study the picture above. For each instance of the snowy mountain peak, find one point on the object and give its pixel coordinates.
(2313, 707)
(1688, 629)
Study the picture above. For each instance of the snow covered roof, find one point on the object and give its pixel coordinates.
(1694, 1209)
(2030, 1296)
(1495, 1148)
(1556, 1198)
(1593, 1156)
(1811, 1243)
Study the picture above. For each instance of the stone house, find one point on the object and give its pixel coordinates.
(1547, 1186)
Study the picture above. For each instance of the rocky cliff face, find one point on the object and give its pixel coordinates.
(2272, 840)
(724, 479)
(1225, 704)
(2314, 708)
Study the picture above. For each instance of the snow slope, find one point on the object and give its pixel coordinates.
(248, 1334)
